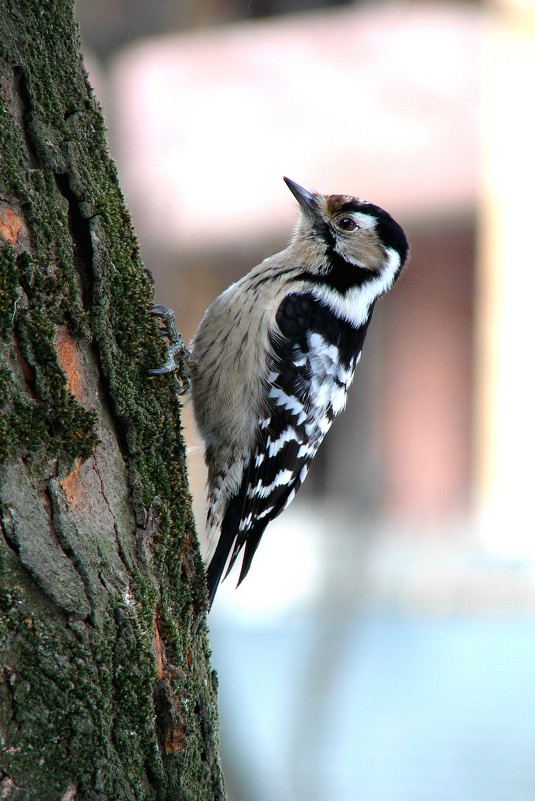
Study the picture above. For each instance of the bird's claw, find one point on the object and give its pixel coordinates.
(178, 356)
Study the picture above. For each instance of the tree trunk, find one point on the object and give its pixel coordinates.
(105, 685)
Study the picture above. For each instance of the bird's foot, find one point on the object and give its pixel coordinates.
(179, 359)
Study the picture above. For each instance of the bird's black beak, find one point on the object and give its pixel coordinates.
(306, 199)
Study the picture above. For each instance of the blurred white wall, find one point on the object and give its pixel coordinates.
(505, 400)
(378, 101)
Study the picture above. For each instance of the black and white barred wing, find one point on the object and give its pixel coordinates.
(307, 388)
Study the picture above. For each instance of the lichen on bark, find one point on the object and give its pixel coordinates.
(105, 685)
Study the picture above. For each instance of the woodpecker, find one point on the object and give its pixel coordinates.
(273, 358)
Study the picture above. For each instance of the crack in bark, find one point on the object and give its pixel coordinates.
(169, 719)
(119, 546)
(85, 243)
(28, 528)
(10, 679)
(81, 238)
(51, 493)
(27, 370)
(11, 543)
(22, 95)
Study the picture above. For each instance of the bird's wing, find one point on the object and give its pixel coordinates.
(307, 386)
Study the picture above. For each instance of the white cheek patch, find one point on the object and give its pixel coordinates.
(354, 306)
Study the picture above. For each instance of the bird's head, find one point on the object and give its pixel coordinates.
(349, 230)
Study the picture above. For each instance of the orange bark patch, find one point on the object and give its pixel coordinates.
(10, 226)
(71, 364)
(73, 487)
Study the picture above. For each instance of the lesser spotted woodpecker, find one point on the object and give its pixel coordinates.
(272, 361)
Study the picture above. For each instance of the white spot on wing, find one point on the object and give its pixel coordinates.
(289, 499)
(263, 491)
(339, 400)
(245, 522)
(307, 449)
(288, 402)
(266, 512)
(282, 478)
(288, 435)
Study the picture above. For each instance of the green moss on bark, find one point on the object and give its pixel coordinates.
(80, 706)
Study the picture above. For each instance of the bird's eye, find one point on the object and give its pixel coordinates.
(347, 223)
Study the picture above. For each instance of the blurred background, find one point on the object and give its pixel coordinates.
(383, 646)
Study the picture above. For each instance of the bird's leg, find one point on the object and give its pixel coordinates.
(179, 359)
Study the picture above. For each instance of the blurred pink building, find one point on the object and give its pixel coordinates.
(379, 102)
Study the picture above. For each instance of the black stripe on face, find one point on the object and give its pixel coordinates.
(340, 274)
(323, 232)
(343, 276)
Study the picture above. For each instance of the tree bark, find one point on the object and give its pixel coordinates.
(106, 690)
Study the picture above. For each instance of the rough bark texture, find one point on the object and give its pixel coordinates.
(105, 685)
